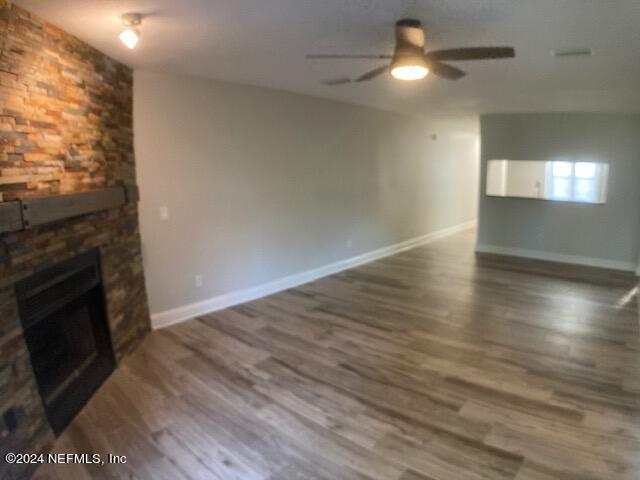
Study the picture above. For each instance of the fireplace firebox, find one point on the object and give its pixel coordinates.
(63, 315)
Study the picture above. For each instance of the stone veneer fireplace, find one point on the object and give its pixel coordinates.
(65, 127)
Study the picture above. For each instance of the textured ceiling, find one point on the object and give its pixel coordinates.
(263, 42)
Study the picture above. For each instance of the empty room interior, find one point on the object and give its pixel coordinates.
(320, 240)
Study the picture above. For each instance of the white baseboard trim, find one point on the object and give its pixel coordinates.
(556, 257)
(186, 312)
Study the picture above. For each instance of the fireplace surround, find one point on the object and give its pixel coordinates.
(64, 319)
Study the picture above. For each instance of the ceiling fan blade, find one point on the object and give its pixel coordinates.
(372, 74)
(330, 56)
(337, 81)
(445, 71)
(362, 78)
(472, 53)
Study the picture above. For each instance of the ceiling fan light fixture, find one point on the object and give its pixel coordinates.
(410, 72)
(410, 62)
(409, 68)
(130, 35)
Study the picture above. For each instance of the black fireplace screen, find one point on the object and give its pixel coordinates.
(62, 309)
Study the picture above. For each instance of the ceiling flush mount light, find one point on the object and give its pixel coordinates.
(131, 34)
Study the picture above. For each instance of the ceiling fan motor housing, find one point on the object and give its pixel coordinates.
(409, 37)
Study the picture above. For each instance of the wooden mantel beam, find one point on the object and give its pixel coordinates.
(27, 213)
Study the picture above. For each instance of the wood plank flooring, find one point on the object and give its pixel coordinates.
(429, 365)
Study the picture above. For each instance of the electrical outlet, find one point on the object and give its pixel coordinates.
(164, 213)
(198, 279)
(349, 243)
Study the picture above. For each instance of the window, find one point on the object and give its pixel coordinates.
(561, 181)
(576, 181)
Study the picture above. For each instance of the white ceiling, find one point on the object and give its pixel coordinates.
(263, 42)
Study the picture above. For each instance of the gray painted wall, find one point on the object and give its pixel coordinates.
(262, 184)
(607, 235)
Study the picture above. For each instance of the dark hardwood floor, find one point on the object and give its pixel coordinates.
(431, 364)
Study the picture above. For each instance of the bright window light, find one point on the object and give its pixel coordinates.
(584, 190)
(577, 182)
(585, 169)
(561, 188)
(562, 169)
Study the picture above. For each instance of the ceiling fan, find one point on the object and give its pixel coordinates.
(410, 62)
